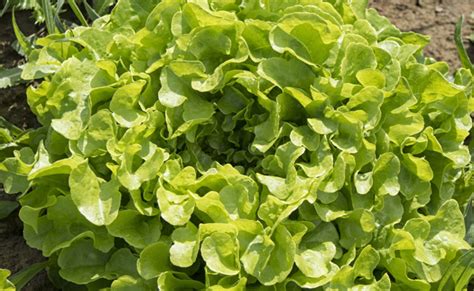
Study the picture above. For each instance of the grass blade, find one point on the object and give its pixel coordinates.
(49, 16)
(93, 15)
(5, 8)
(22, 278)
(77, 12)
(459, 273)
(22, 40)
(463, 56)
(59, 24)
(14, 130)
(59, 6)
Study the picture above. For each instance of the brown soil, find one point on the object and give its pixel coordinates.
(437, 20)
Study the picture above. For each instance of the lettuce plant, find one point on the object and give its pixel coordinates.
(244, 145)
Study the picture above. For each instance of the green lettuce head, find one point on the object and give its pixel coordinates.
(244, 145)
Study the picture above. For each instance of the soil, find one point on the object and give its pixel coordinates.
(434, 17)
(13, 104)
(16, 255)
(14, 252)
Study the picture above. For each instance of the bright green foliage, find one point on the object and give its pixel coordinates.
(5, 284)
(233, 145)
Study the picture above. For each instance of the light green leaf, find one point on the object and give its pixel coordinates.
(306, 36)
(385, 175)
(366, 262)
(70, 89)
(315, 262)
(176, 209)
(131, 14)
(220, 251)
(124, 104)
(270, 260)
(136, 229)
(101, 129)
(97, 200)
(5, 284)
(14, 171)
(418, 166)
(122, 262)
(154, 260)
(129, 283)
(286, 73)
(185, 248)
(81, 263)
(356, 228)
(153, 158)
(357, 57)
(170, 281)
